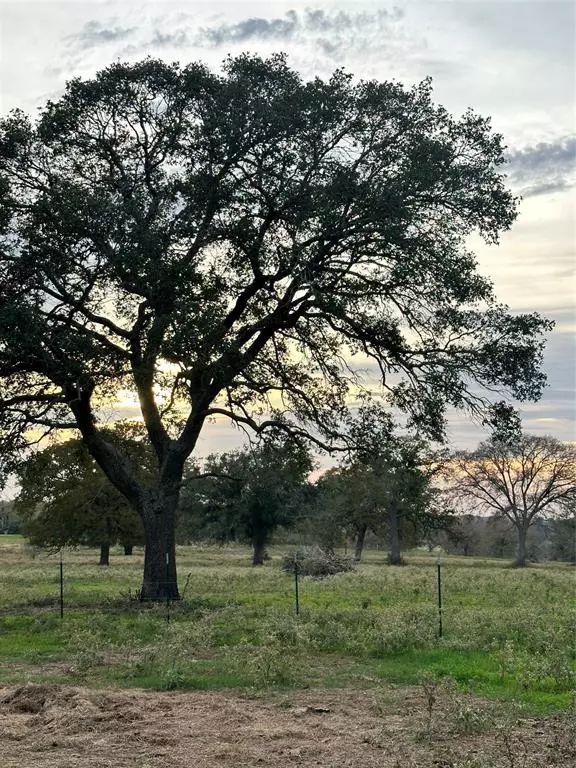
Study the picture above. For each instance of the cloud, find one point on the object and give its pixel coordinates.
(375, 42)
(93, 33)
(251, 29)
(330, 30)
(169, 39)
(545, 167)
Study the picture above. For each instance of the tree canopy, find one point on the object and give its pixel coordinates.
(225, 244)
(66, 499)
(390, 477)
(246, 494)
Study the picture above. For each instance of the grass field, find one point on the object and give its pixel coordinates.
(507, 633)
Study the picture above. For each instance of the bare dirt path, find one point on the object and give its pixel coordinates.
(54, 726)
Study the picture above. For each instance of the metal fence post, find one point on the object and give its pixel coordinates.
(61, 587)
(296, 586)
(167, 588)
(438, 566)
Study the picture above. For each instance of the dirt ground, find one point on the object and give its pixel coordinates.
(65, 727)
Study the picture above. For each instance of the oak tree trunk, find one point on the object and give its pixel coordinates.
(160, 577)
(521, 555)
(359, 546)
(104, 553)
(259, 549)
(155, 506)
(395, 555)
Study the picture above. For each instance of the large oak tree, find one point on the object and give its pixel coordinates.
(222, 244)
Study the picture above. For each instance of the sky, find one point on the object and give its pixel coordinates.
(509, 59)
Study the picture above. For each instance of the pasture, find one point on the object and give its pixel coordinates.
(369, 637)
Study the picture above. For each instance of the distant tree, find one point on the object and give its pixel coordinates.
(246, 494)
(492, 536)
(562, 533)
(463, 536)
(384, 485)
(520, 481)
(398, 471)
(325, 520)
(66, 499)
(475, 536)
(499, 537)
(222, 243)
(9, 520)
(346, 505)
(563, 540)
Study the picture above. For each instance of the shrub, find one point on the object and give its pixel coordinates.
(264, 665)
(314, 561)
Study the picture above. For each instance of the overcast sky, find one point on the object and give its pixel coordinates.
(510, 59)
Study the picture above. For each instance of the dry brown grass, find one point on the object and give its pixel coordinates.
(66, 727)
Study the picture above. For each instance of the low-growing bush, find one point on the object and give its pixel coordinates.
(314, 561)
(264, 665)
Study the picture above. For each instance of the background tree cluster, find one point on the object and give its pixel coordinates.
(9, 519)
(502, 500)
(66, 499)
(489, 536)
(385, 486)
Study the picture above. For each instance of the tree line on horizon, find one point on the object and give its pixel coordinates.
(393, 490)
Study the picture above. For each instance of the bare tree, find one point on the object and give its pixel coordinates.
(522, 482)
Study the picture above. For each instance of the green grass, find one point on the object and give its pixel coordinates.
(508, 633)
